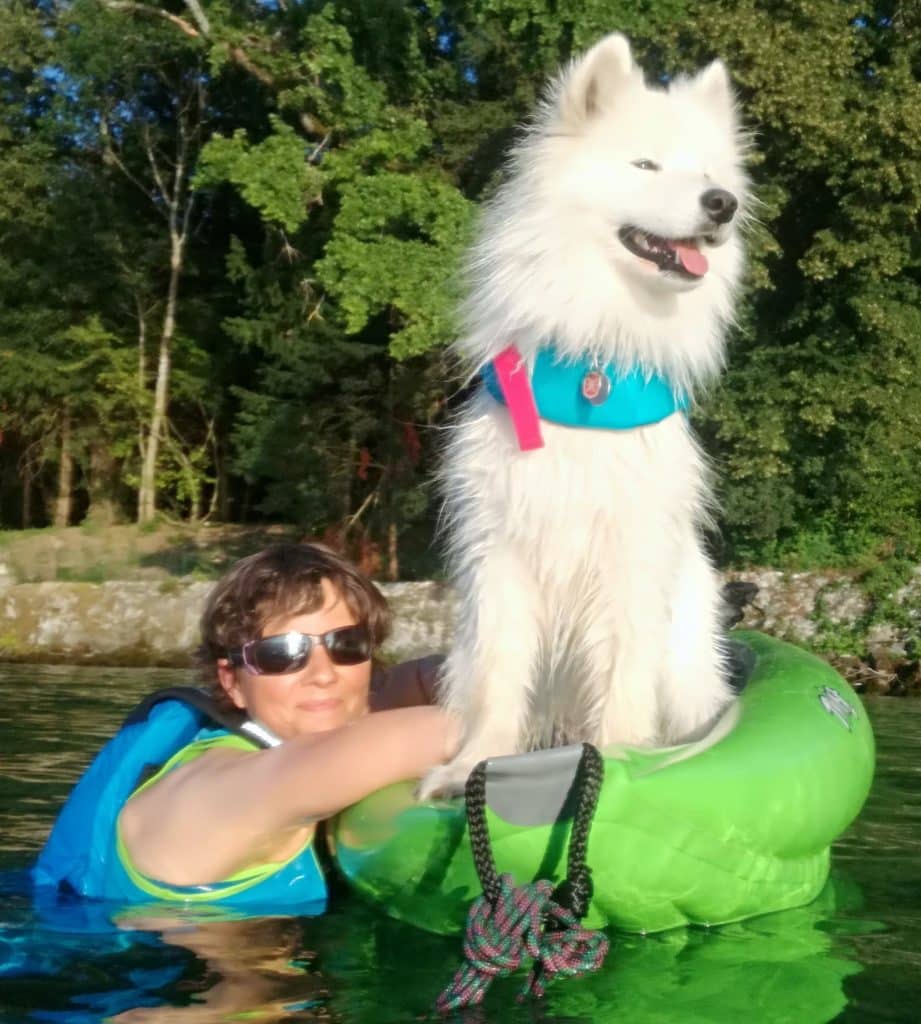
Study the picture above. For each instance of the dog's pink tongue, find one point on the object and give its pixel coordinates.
(692, 259)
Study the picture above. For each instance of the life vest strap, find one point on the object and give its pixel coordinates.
(234, 721)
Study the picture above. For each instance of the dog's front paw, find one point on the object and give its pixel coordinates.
(447, 780)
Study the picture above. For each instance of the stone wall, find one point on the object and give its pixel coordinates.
(814, 607)
(115, 623)
(156, 623)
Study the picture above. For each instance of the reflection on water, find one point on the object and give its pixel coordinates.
(256, 968)
(854, 955)
(52, 720)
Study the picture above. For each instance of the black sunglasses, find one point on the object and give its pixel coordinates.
(287, 652)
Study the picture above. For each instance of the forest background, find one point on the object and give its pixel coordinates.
(231, 234)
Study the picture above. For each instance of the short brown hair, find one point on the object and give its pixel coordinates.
(282, 580)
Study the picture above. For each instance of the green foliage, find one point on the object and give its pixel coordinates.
(396, 250)
(338, 160)
(273, 176)
(812, 424)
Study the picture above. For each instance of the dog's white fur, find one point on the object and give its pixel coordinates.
(588, 609)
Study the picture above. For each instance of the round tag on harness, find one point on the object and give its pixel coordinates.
(596, 387)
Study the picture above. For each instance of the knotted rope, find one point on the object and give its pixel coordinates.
(510, 923)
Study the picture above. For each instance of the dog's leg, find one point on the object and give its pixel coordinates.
(625, 645)
(487, 677)
(693, 685)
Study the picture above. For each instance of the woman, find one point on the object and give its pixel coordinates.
(287, 639)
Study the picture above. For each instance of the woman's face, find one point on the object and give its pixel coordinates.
(316, 698)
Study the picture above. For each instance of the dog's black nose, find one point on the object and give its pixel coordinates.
(719, 204)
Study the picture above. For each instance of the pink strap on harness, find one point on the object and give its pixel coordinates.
(512, 375)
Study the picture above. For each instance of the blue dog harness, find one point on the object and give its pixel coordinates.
(581, 393)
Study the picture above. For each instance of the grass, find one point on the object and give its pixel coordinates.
(166, 550)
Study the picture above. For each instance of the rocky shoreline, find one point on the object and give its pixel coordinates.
(871, 639)
(155, 622)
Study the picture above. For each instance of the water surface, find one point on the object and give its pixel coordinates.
(854, 955)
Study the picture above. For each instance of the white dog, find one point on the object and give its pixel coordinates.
(588, 608)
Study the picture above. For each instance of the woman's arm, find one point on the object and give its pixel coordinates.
(230, 809)
(372, 752)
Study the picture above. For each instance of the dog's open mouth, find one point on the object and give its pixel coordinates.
(678, 255)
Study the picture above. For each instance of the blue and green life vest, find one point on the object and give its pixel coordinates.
(84, 854)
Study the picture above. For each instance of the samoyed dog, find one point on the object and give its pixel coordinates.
(601, 286)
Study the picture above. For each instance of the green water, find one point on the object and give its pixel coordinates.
(854, 955)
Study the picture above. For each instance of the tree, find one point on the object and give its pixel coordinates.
(231, 237)
(142, 105)
(813, 422)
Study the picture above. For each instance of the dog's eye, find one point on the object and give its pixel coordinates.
(647, 165)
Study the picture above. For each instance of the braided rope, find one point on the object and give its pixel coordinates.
(475, 798)
(575, 891)
(508, 922)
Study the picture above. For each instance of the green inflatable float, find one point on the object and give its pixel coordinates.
(736, 824)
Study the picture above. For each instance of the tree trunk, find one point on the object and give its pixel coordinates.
(390, 483)
(102, 483)
(179, 203)
(393, 557)
(195, 506)
(142, 370)
(63, 503)
(147, 494)
(220, 499)
(26, 496)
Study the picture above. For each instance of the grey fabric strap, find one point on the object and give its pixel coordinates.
(531, 789)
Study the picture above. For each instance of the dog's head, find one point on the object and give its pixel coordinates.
(657, 169)
(617, 229)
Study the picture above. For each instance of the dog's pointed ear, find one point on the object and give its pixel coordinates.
(594, 81)
(712, 87)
